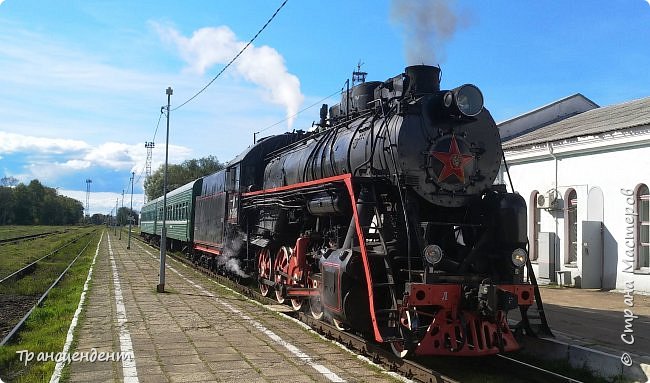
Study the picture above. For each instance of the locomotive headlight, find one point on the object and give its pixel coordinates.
(433, 254)
(519, 257)
(467, 98)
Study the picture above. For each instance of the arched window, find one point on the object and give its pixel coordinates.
(642, 227)
(534, 225)
(571, 227)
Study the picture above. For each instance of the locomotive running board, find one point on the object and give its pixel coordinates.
(347, 180)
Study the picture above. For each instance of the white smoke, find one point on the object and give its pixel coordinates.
(428, 25)
(228, 258)
(262, 66)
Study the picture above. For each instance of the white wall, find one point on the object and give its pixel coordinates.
(609, 169)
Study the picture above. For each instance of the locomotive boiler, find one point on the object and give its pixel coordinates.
(385, 219)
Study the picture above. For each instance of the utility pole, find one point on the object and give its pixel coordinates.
(121, 223)
(163, 234)
(149, 145)
(88, 182)
(128, 247)
(115, 223)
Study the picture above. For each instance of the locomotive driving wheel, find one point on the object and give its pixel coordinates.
(264, 270)
(296, 303)
(399, 347)
(280, 265)
(340, 325)
(315, 304)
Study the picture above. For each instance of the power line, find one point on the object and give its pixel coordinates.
(300, 111)
(153, 140)
(215, 77)
(157, 124)
(234, 58)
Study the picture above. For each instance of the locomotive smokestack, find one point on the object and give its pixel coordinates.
(423, 78)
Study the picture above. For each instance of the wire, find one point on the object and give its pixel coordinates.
(234, 58)
(145, 165)
(300, 111)
(210, 83)
(158, 124)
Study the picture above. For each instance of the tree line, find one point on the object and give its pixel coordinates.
(35, 204)
(122, 218)
(179, 175)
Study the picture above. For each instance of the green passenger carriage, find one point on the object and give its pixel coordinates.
(179, 219)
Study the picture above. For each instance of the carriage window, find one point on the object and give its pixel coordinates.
(232, 178)
(571, 227)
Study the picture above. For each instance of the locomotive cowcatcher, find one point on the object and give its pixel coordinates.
(384, 219)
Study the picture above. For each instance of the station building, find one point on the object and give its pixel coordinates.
(584, 171)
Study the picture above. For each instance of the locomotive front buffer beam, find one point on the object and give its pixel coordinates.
(456, 330)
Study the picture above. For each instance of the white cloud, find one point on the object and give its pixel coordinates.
(262, 66)
(49, 159)
(12, 143)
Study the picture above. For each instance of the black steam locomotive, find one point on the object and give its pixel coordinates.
(385, 219)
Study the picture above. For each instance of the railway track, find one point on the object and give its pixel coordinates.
(24, 305)
(31, 265)
(442, 370)
(27, 237)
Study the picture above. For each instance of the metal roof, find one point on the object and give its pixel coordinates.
(545, 115)
(179, 189)
(600, 120)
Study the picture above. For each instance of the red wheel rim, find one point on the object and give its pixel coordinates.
(264, 270)
(281, 263)
(296, 303)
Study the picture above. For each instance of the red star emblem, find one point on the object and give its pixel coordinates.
(454, 162)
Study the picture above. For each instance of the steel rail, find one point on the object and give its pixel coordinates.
(43, 257)
(540, 369)
(26, 237)
(373, 351)
(367, 348)
(42, 298)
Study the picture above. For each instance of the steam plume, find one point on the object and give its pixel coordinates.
(427, 25)
(262, 66)
(228, 259)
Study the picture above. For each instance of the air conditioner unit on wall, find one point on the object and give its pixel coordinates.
(546, 200)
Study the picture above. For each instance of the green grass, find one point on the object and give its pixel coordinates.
(13, 231)
(13, 256)
(47, 327)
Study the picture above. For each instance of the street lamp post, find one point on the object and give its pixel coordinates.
(128, 246)
(163, 234)
(115, 222)
(121, 223)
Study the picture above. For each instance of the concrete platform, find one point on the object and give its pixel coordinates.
(588, 325)
(197, 331)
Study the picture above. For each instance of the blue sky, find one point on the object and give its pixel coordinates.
(82, 82)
